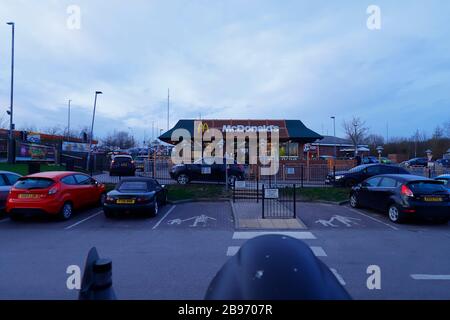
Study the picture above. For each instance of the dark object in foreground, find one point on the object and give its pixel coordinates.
(275, 267)
(97, 278)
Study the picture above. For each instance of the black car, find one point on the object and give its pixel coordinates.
(360, 173)
(445, 178)
(415, 162)
(135, 195)
(443, 163)
(403, 196)
(207, 169)
(122, 165)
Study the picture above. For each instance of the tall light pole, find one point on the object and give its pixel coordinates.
(92, 130)
(168, 108)
(11, 151)
(334, 133)
(68, 121)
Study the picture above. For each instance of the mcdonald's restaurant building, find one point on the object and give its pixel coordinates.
(294, 136)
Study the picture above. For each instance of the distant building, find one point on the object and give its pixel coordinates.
(344, 147)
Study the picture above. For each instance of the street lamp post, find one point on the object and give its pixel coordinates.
(11, 151)
(334, 133)
(68, 121)
(92, 130)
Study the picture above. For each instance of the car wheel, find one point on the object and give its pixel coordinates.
(66, 211)
(231, 179)
(183, 179)
(395, 215)
(102, 200)
(164, 202)
(155, 210)
(354, 201)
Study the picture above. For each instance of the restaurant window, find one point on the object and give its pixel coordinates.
(289, 149)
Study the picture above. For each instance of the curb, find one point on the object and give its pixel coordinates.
(199, 200)
(339, 203)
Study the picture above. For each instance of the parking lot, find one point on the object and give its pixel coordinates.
(176, 254)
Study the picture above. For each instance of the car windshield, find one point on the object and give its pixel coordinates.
(128, 186)
(33, 183)
(426, 187)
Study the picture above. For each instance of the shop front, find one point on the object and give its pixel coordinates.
(293, 135)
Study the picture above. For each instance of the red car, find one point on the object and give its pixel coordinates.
(56, 193)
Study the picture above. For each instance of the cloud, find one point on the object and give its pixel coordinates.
(229, 59)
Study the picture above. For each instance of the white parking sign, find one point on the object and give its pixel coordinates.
(271, 193)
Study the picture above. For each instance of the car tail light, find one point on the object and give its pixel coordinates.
(405, 191)
(143, 199)
(53, 191)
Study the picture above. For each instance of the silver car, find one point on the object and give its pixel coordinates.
(7, 180)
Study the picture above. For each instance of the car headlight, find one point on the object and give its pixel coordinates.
(338, 177)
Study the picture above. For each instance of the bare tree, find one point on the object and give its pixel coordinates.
(55, 130)
(356, 131)
(374, 140)
(119, 139)
(4, 122)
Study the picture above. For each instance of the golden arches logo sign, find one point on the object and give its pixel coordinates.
(202, 127)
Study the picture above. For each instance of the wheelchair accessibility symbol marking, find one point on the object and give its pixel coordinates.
(201, 220)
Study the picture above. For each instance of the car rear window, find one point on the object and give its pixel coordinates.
(133, 186)
(426, 187)
(33, 183)
(122, 159)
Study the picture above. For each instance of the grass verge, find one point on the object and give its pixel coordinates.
(22, 168)
(197, 191)
(323, 194)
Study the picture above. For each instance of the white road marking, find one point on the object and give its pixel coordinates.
(252, 234)
(318, 251)
(231, 251)
(4, 220)
(430, 276)
(84, 220)
(374, 219)
(167, 213)
(338, 276)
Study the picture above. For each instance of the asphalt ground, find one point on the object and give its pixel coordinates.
(176, 254)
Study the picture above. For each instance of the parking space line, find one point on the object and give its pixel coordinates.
(318, 251)
(430, 276)
(338, 276)
(167, 213)
(4, 220)
(252, 234)
(84, 220)
(374, 219)
(231, 251)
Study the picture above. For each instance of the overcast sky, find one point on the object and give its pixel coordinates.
(304, 60)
